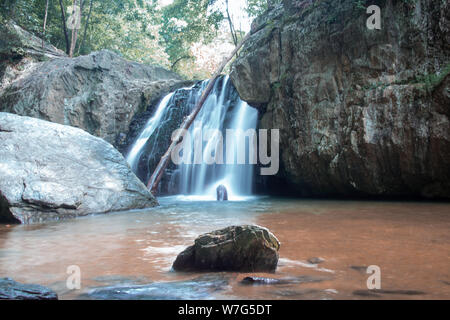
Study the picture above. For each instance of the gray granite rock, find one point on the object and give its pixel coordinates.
(12, 290)
(50, 172)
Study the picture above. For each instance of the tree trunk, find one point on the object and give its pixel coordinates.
(230, 22)
(45, 23)
(85, 27)
(63, 18)
(74, 31)
(178, 60)
(163, 163)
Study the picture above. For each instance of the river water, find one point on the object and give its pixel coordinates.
(410, 242)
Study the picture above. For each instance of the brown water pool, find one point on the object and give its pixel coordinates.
(408, 241)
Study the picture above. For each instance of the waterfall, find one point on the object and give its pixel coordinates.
(149, 129)
(222, 110)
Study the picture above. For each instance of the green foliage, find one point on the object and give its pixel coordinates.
(125, 27)
(256, 8)
(185, 22)
(139, 30)
(29, 14)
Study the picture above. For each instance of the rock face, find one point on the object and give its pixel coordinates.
(237, 248)
(12, 290)
(361, 112)
(50, 172)
(100, 92)
(19, 49)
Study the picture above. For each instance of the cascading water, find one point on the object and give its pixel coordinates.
(221, 111)
(150, 127)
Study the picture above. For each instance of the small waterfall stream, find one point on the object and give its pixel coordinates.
(150, 127)
(222, 110)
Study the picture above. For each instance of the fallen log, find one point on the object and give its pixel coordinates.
(164, 162)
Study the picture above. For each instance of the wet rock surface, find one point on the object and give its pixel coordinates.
(12, 290)
(263, 281)
(222, 193)
(379, 293)
(361, 112)
(236, 248)
(316, 260)
(282, 281)
(362, 269)
(198, 288)
(51, 172)
(293, 294)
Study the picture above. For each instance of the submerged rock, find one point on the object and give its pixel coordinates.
(236, 248)
(50, 172)
(316, 260)
(195, 289)
(362, 269)
(360, 112)
(282, 281)
(292, 294)
(12, 290)
(263, 281)
(380, 292)
(222, 193)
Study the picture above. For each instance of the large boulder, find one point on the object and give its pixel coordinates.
(49, 172)
(12, 290)
(361, 112)
(236, 248)
(100, 92)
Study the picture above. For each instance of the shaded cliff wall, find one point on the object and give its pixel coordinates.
(361, 112)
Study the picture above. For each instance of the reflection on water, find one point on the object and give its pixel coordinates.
(409, 241)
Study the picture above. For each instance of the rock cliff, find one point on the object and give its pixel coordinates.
(361, 112)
